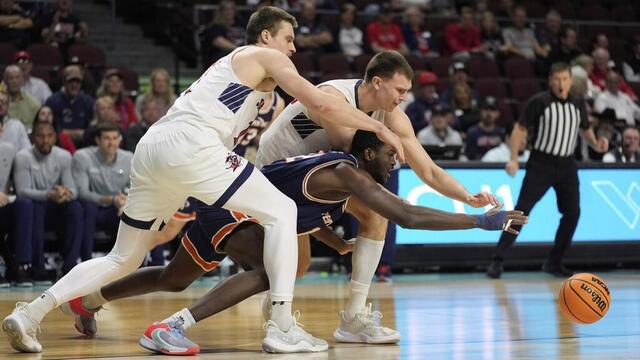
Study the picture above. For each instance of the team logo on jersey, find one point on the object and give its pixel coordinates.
(259, 104)
(233, 161)
(327, 219)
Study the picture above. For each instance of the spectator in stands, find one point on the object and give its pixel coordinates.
(629, 152)
(549, 33)
(463, 39)
(631, 65)
(621, 103)
(439, 133)
(581, 67)
(502, 152)
(61, 27)
(43, 174)
(599, 41)
(567, 49)
(22, 106)
(417, 37)
(45, 114)
(491, 36)
(160, 89)
(457, 75)
(113, 87)
(102, 175)
(426, 98)
(602, 67)
(486, 134)
(520, 39)
(12, 131)
(384, 34)
(72, 108)
(15, 24)
(16, 220)
(88, 81)
(32, 85)
(350, 37)
(152, 111)
(464, 108)
(312, 35)
(104, 111)
(225, 33)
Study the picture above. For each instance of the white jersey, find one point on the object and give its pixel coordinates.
(218, 101)
(293, 133)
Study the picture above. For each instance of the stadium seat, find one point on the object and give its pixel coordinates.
(42, 72)
(480, 67)
(361, 64)
(491, 87)
(6, 53)
(440, 66)
(305, 65)
(417, 63)
(46, 55)
(624, 13)
(592, 12)
(129, 78)
(90, 55)
(442, 85)
(506, 113)
(523, 89)
(334, 64)
(517, 67)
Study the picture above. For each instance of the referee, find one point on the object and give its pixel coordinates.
(555, 119)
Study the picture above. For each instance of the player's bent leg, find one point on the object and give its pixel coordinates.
(280, 260)
(357, 322)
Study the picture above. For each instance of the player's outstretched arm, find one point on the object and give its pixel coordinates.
(360, 184)
(281, 69)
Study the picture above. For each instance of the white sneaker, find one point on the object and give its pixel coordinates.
(365, 328)
(293, 341)
(21, 330)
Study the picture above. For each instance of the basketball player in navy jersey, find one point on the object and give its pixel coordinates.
(188, 153)
(247, 146)
(321, 185)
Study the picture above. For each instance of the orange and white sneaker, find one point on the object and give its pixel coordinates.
(85, 321)
(168, 338)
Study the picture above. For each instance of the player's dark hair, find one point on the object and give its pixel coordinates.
(559, 67)
(267, 18)
(364, 140)
(386, 64)
(104, 127)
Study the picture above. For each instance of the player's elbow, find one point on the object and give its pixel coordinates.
(406, 222)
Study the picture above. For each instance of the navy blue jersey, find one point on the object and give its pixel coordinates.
(187, 212)
(290, 176)
(257, 126)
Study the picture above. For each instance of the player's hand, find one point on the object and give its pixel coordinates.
(390, 138)
(482, 199)
(347, 246)
(4, 199)
(602, 145)
(495, 219)
(512, 167)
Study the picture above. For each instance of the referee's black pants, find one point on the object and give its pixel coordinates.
(545, 171)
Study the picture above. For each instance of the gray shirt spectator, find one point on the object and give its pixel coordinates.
(439, 133)
(7, 154)
(96, 177)
(520, 40)
(35, 173)
(14, 133)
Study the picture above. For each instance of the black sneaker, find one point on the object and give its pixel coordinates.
(23, 277)
(40, 278)
(495, 269)
(3, 282)
(556, 270)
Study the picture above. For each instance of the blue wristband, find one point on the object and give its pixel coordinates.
(491, 222)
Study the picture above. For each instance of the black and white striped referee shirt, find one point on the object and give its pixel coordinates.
(554, 123)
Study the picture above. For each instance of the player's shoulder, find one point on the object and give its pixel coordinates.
(61, 153)
(126, 154)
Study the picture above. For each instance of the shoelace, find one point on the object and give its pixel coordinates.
(176, 328)
(296, 317)
(370, 318)
(23, 307)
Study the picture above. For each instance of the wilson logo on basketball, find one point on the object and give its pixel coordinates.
(595, 296)
(602, 284)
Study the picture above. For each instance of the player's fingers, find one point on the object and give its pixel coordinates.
(512, 231)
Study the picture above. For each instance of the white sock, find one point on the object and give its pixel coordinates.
(184, 315)
(39, 307)
(94, 300)
(365, 259)
(281, 314)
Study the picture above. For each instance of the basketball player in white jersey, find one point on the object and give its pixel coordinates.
(300, 130)
(187, 153)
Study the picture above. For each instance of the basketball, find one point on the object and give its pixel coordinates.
(584, 298)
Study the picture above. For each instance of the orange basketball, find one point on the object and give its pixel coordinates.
(584, 298)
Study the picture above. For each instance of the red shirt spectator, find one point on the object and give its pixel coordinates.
(600, 70)
(113, 87)
(463, 36)
(385, 35)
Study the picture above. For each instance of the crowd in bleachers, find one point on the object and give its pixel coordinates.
(477, 63)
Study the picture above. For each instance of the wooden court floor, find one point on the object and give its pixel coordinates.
(442, 316)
